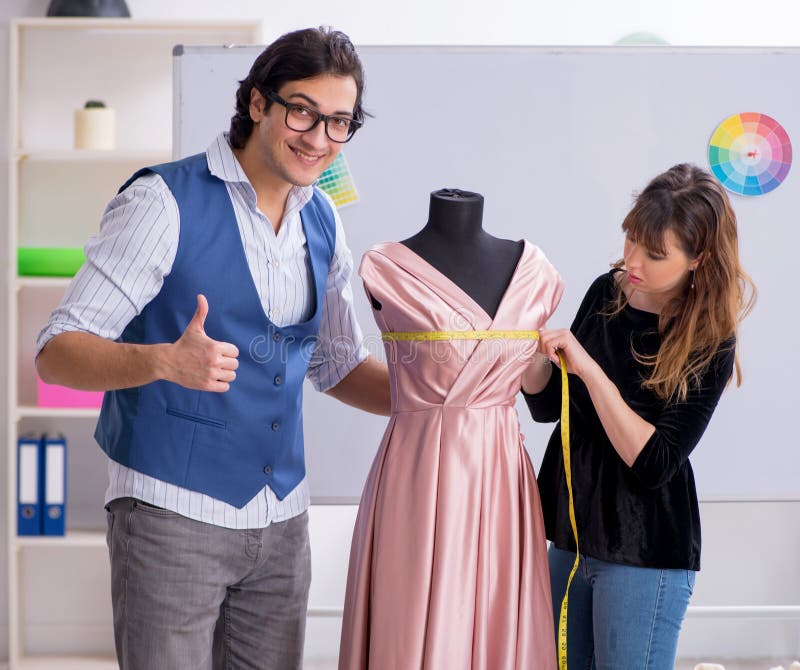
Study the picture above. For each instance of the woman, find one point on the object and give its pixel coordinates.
(649, 353)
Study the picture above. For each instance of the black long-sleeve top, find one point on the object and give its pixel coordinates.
(647, 514)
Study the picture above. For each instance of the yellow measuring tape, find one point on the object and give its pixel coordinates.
(562, 618)
(441, 335)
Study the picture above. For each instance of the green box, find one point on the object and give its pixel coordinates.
(49, 261)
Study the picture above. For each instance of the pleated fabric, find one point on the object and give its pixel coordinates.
(448, 566)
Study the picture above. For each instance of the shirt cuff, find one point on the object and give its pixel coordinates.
(329, 373)
(50, 331)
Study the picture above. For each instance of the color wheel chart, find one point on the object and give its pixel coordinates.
(750, 153)
(337, 182)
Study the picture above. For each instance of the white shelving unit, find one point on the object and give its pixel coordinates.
(56, 197)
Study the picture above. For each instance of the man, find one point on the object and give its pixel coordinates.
(216, 284)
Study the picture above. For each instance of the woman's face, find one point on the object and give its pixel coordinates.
(654, 276)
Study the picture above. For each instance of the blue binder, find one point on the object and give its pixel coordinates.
(29, 485)
(54, 485)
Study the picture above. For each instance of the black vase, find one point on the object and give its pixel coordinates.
(107, 8)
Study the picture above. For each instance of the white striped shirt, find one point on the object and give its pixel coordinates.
(125, 268)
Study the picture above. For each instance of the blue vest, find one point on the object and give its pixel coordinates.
(226, 445)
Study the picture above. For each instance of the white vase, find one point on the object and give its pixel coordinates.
(94, 128)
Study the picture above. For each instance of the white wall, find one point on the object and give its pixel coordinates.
(750, 549)
(689, 22)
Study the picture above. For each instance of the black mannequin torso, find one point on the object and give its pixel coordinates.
(454, 242)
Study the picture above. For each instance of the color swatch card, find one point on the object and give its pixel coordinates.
(750, 153)
(337, 182)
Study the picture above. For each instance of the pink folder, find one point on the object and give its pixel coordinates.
(51, 395)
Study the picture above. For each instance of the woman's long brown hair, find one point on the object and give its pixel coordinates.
(717, 295)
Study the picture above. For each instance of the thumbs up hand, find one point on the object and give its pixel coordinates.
(198, 362)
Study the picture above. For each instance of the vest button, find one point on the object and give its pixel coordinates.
(276, 337)
(268, 470)
(278, 380)
(275, 425)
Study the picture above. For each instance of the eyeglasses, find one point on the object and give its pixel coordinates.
(301, 119)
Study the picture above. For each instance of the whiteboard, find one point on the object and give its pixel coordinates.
(557, 140)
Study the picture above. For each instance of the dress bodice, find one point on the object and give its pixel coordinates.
(473, 373)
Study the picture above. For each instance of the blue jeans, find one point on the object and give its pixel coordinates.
(620, 617)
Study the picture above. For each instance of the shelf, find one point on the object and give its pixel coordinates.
(56, 197)
(139, 156)
(62, 662)
(86, 24)
(77, 538)
(30, 411)
(43, 282)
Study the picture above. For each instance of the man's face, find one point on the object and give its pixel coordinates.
(299, 158)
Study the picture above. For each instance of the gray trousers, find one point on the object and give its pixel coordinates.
(192, 596)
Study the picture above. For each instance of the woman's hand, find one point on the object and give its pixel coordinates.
(627, 431)
(578, 361)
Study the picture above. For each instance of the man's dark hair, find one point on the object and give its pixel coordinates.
(301, 54)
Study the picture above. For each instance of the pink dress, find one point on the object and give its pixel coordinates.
(448, 568)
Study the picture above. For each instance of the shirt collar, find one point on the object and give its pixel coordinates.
(222, 163)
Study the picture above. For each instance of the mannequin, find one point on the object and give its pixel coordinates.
(454, 425)
(453, 241)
